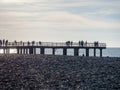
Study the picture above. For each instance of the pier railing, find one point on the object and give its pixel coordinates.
(55, 44)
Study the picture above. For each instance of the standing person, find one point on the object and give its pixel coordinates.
(0, 42)
(39, 42)
(96, 44)
(6, 42)
(3, 42)
(68, 43)
(15, 43)
(71, 43)
(28, 43)
(82, 43)
(33, 43)
(79, 43)
(21, 43)
(86, 43)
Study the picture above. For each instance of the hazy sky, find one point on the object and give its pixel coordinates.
(61, 20)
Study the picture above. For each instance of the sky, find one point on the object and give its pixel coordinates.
(61, 20)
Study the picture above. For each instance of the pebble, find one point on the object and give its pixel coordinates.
(48, 72)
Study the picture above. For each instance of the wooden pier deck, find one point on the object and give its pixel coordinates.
(30, 47)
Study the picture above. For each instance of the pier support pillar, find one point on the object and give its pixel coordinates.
(76, 52)
(94, 52)
(53, 51)
(24, 51)
(87, 51)
(64, 51)
(30, 50)
(100, 52)
(18, 51)
(42, 51)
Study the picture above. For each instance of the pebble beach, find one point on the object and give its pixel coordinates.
(48, 72)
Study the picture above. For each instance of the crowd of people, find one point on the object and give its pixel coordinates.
(32, 43)
(17, 43)
(3, 42)
(82, 43)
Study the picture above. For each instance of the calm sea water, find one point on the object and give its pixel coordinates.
(111, 52)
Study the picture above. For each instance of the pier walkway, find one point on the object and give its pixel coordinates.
(30, 47)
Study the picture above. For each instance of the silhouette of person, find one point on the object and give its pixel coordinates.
(33, 42)
(96, 44)
(0, 42)
(71, 43)
(28, 43)
(39, 42)
(82, 43)
(3, 42)
(21, 43)
(68, 43)
(6, 42)
(15, 42)
(83, 55)
(79, 43)
(86, 43)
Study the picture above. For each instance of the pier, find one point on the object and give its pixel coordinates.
(30, 47)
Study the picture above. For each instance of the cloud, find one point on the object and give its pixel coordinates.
(15, 1)
(103, 9)
(72, 18)
(63, 20)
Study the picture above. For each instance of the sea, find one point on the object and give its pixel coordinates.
(111, 52)
(108, 52)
